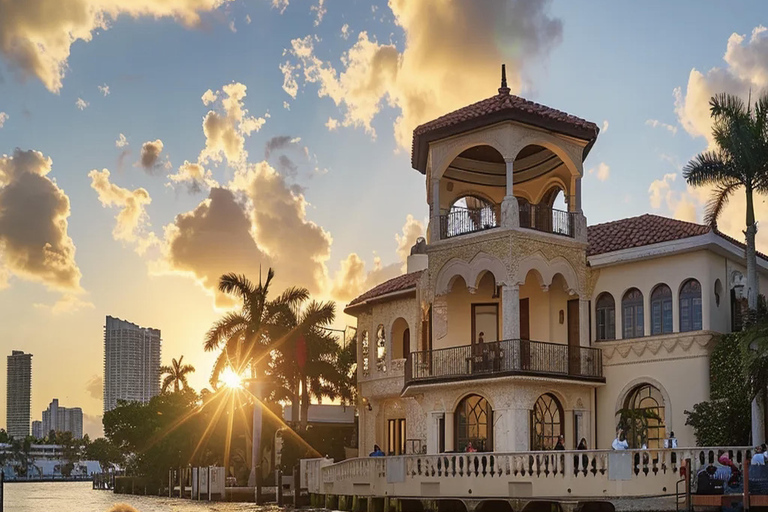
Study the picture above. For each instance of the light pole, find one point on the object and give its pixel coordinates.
(255, 387)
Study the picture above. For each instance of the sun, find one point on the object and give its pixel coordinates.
(230, 379)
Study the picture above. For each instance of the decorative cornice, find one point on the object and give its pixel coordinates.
(648, 348)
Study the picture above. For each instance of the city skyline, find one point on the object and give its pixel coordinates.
(149, 203)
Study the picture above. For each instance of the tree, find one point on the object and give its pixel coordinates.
(103, 451)
(176, 375)
(740, 159)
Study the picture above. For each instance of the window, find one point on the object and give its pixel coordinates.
(473, 424)
(606, 317)
(690, 306)
(661, 310)
(406, 342)
(643, 417)
(632, 314)
(396, 437)
(547, 422)
(381, 349)
(364, 352)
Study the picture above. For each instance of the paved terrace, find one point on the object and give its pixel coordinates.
(631, 479)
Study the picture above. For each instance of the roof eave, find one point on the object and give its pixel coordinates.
(379, 298)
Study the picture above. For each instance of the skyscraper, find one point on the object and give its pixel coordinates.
(37, 429)
(18, 394)
(131, 362)
(63, 419)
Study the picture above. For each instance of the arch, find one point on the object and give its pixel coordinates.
(543, 140)
(632, 314)
(494, 506)
(475, 194)
(605, 317)
(547, 270)
(628, 387)
(547, 422)
(718, 292)
(642, 416)
(474, 424)
(399, 333)
(661, 309)
(460, 145)
(381, 349)
(551, 183)
(689, 298)
(470, 271)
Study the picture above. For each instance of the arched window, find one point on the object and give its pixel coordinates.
(606, 317)
(406, 342)
(632, 314)
(381, 349)
(364, 351)
(661, 310)
(547, 422)
(643, 417)
(467, 215)
(401, 339)
(690, 306)
(474, 424)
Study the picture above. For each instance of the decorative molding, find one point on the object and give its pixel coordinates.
(646, 349)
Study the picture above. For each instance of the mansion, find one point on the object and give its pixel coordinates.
(517, 322)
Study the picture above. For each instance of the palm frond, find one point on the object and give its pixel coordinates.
(236, 284)
(705, 169)
(725, 105)
(224, 328)
(718, 201)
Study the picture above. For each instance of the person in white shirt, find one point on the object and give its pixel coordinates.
(758, 459)
(620, 443)
(671, 442)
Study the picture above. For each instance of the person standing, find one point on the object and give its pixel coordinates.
(620, 443)
(560, 443)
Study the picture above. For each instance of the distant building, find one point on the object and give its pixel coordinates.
(37, 429)
(18, 394)
(131, 362)
(62, 419)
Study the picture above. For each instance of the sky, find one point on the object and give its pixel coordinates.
(148, 147)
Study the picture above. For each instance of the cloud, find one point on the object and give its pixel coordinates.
(81, 104)
(683, 205)
(286, 105)
(247, 19)
(660, 189)
(421, 81)
(95, 387)
(34, 213)
(121, 141)
(150, 155)
(93, 426)
(3, 118)
(232, 27)
(412, 229)
(332, 124)
(194, 176)
(345, 31)
(132, 221)
(281, 5)
(104, 89)
(655, 123)
(36, 35)
(605, 126)
(225, 129)
(290, 86)
(320, 9)
(602, 172)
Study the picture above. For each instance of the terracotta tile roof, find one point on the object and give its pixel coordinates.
(639, 231)
(397, 284)
(501, 107)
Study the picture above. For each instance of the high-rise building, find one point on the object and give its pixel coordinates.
(131, 362)
(37, 429)
(63, 419)
(18, 394)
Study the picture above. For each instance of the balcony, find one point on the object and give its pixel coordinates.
(502, 358)
(461, 221)
(549, 220)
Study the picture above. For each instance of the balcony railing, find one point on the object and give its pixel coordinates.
(508, 357)
(460, 221)
(544, 218)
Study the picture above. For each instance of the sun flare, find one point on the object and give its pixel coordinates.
(230, 379)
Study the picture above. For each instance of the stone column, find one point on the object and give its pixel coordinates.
(449, 432)
(510, 214)
(676, 309)
(435, 219)
(519, 430)
(584, 334)
(510, 311)
(439, 318)
(706, 303)
(433, 433)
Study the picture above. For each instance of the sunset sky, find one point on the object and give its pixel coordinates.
(150, 146)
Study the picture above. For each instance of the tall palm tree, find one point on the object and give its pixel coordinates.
(739, 160)
(176, 375)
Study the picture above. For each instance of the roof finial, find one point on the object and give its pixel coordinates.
(503, 89)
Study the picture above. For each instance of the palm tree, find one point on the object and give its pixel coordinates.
(176, 375)
(740, 160)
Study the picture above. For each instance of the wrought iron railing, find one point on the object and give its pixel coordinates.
(505, 357)
(460, 221)
(543, 218)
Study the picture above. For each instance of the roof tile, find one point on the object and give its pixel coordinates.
(396, 284)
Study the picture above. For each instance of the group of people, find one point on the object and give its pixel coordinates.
(621, 443)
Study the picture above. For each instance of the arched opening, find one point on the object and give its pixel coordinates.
(494, 506)
(474, 425)
(605, 313)
(642, 418)
(468, 214)
(632, 315)
(364, 351)
(381, 349)
(546, 422)
(401, 339)
(661, 310)
(690, 306)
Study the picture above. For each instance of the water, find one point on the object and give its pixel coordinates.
(79, 497)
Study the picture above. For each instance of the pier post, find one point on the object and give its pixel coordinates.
(259, 497)
(279, 491)
(2, 489)
(296, 486)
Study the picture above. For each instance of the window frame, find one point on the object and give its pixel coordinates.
(690, 301)
(605, 318)
(548, 405)
(635, 305)
(662, 314)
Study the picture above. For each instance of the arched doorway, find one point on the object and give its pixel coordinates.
(474, 424)
(546, 422)
(642, 417)
(401, 339)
